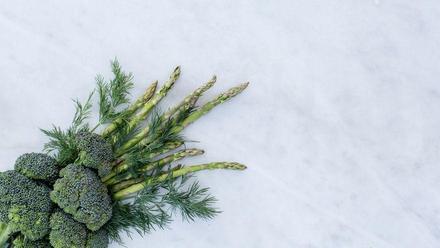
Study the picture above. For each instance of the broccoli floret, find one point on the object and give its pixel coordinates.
(4, 212)
(80, 193)
(26, 203)
(37, 166)
(22, 242)
(98, 239)
(66, 232)
(95, 152)
(33, 224)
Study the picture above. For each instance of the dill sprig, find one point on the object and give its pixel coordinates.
(62, 143)
(154, 207)
(113, 95)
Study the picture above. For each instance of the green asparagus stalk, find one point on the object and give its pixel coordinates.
(149, 92)
(205, 109)
(210, 105)
(188, 102)
(191, 99)
(156, 165)
(125, 184)
(131, 190)
(172, 158)
(148, 106)
(124, 166)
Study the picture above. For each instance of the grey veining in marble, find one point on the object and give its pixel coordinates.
(340, 127)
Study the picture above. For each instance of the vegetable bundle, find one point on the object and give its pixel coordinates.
(90, 186)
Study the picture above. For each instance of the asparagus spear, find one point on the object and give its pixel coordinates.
(210, 105)
(148, 106)
(157, 165)
(189, 120)
(128, 192)
(188, 102)
(124, 166)
(148, 94)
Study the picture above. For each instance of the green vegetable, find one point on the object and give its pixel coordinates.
(98, 239)
(124, 179)
(95, 152)
(22, 242)
(37, 166)
(66, 232)
(80, 193)
(27, 203)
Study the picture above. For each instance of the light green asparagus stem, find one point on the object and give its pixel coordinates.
(210, 105)
(125, 184)
(191, 99)
(188, 102)
(146, 109)
(128, 192)
(172, 158)
(123, 166)
(5, 232)
(155, 165)
(132, 109)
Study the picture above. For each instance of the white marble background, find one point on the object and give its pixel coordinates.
(339, 128)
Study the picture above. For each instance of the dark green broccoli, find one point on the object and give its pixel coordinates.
(27, 204)
(98, 239)
(4, 212)
(66, 232)
(80, 193)
(22, 242)
(37, 166)
(95, 152)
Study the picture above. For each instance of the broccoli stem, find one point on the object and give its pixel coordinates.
(189, 120)
(122, 166)
(5, 233)
(129, 191)
(156, 165)
(149, 92)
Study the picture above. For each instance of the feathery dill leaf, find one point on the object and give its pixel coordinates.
(63, 143)
(114, 94)
(153, 207)
(143, 215)
(192, 202)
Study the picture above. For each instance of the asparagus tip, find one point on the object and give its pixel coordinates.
(195, 152)
(236, 166)
(213, 79)
(177, 70)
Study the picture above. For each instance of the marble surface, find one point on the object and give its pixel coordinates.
(339, 128)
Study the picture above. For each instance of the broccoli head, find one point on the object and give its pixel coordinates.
(80, 193)
(37, 166)
(22, 242)
(67, 232)
(25, 205)
(98, 239)
(95, 152)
